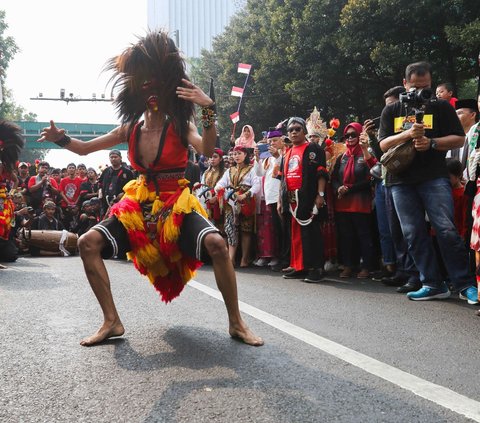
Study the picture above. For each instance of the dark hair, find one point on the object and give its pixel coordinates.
(454, 167)
(448, 86)
(417, 68)
(56, 170)
(81, 165)
(72, 164)
(152, 66)
(394, 92)
(43, 163)
(11, 144)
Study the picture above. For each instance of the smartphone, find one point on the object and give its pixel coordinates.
(262, 148)
(376, 122)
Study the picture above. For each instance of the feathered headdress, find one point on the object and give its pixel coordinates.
(11, 144)
(147, 74)
(315, 124)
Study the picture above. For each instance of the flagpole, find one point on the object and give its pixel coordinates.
(241, 98)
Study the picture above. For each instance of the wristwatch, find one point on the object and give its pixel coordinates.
(321, 193)
(433, 143)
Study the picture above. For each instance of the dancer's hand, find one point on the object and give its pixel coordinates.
(51, 133)
(191, 92)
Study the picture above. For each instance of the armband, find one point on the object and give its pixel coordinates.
(208, 116)
(64, 141)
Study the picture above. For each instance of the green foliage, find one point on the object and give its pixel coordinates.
(338, 55)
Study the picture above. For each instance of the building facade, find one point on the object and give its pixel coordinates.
(192, 23)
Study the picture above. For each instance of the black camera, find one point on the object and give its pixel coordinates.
(417, 97)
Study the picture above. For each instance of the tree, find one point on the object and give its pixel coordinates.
(338, 55)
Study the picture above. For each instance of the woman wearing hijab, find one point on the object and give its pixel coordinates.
(246, 138)
(351, 183)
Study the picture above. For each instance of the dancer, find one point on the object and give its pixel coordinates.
(11, 144)
(158, 222)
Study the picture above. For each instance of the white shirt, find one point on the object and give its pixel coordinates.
(271, 185)
(250, 179)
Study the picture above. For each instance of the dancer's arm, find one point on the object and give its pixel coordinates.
(57, 135)
(204, 144)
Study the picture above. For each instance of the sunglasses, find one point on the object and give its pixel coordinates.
(295, 129)
(351, 135)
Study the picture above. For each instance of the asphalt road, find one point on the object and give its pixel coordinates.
(337, 351)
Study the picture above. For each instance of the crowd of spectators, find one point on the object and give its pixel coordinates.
(307, 199)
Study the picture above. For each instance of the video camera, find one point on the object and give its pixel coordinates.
(417, 97)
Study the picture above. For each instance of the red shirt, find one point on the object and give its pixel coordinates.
(71, 189)
(293, 166)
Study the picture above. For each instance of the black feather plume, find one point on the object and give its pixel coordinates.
(11, 144)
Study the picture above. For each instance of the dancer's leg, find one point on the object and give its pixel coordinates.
(90, 246)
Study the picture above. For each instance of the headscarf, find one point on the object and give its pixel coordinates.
(352, 152)
(248, 142)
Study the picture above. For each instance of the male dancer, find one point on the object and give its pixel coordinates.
(158, 222)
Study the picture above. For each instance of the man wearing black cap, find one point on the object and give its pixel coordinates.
(467, 112)
(113, 179)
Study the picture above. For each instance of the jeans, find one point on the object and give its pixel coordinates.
(435, 198)
(405, 265)
(386, 243)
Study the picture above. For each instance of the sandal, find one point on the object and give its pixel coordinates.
(363, 274)
(346, 273)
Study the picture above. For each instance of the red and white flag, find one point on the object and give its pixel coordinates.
(244, 68)
(237, 92)
(235, 117)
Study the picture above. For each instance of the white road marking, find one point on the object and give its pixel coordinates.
(438, 394)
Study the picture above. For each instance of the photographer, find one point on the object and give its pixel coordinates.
(424, 186)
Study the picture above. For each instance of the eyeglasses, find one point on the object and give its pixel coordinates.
(351, 135)
(294, 129)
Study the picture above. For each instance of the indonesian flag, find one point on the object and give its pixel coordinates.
(237, 92)
(244, 68)
(235, 117)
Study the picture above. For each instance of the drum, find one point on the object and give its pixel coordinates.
(51, 240)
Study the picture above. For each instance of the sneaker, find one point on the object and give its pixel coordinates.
(274, 262)
(427, 293)
(470, 294)
(262, 261)
(382, 274)
(295, 274)
(314, 275)
(329, 266)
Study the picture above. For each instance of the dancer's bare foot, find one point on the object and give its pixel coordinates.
(244, 334)
(107, 330)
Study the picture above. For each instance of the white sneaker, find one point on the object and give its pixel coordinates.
(329, 266)
(274, 262)
(262, 261)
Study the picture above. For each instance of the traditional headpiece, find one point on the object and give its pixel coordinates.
(274, 133)
(147, 75)
(298, 120)
(11, 144)
(219, 151)
(315, 124)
